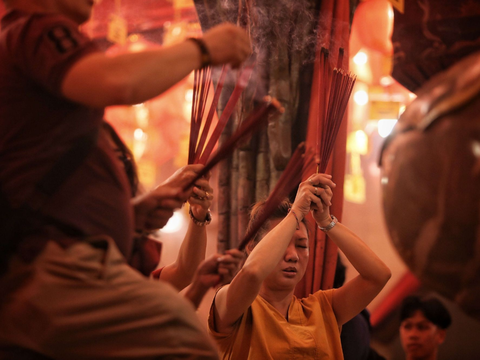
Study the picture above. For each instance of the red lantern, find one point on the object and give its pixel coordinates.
(373, 26)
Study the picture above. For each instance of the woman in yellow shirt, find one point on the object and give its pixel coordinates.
(257, 316)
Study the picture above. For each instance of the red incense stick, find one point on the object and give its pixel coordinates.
(257, 118)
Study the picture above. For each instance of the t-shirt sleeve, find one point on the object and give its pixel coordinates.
(325, 298)
(46, 48)
(212, 328)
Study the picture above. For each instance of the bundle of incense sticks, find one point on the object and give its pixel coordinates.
(258, 117)
(291, 177)
(335, 88)
(201, 88)
(199, 148)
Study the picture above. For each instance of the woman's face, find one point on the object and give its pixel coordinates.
(291, 268)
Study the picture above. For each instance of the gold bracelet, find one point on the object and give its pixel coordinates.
(204, 53)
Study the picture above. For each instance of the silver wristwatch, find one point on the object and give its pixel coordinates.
(329, 226)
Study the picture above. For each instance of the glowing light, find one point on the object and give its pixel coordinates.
(361, 58)
(390, 13)
(174, 224)
(189, 95)
(177, 30)
(476, 149)
(134, 38)
(142, 115)
(139, 143)
(138, 134)
(361, 97)
(361, 140)
(386, 81)
(385, 127)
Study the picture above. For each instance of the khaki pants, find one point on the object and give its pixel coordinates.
(85, 302)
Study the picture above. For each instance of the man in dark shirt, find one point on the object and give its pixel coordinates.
(423, 327)
(66, 296)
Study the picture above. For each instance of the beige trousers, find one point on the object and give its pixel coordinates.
(85, 302)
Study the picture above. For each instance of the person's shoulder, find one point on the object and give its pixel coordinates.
(324, 297)
(34, 24)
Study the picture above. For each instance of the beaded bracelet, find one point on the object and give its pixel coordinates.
(205, 54)
(208, 218)
(296, 218)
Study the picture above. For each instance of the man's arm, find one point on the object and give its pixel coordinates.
(218, 270)
(99, 80)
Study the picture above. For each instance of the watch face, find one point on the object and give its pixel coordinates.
(208, 217)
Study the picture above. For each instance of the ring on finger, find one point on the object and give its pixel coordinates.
(207, 195)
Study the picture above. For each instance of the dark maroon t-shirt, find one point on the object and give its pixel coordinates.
(38, 125)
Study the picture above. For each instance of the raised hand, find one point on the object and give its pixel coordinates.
(201, 198)
(227, 44)
(219, 269)
(315, 195)
(216, 270)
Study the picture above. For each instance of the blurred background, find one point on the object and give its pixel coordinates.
(158, 131)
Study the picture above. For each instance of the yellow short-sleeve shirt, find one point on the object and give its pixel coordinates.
(311, 331)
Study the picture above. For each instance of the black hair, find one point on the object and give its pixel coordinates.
(280, 212)
(432, 309)
(340, 272)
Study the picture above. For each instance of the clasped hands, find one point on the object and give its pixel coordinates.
(315, 195)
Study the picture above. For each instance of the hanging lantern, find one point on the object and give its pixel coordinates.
(372, 26)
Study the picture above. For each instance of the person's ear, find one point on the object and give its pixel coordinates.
(442, 333)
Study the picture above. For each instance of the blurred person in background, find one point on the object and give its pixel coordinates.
(423, 327)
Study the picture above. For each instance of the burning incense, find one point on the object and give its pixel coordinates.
(201, 87)
(240, 85)
(333, 100)
(200, 149)
(211, 112)
(257, 118)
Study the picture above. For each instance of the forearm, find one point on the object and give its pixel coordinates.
(152, 72)
(195, 293)
(271, 249)
(192, 250)
(190, 255)
(132, 78)
(363, 259)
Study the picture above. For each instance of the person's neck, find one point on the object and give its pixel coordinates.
(432, 356)
(279, 299)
